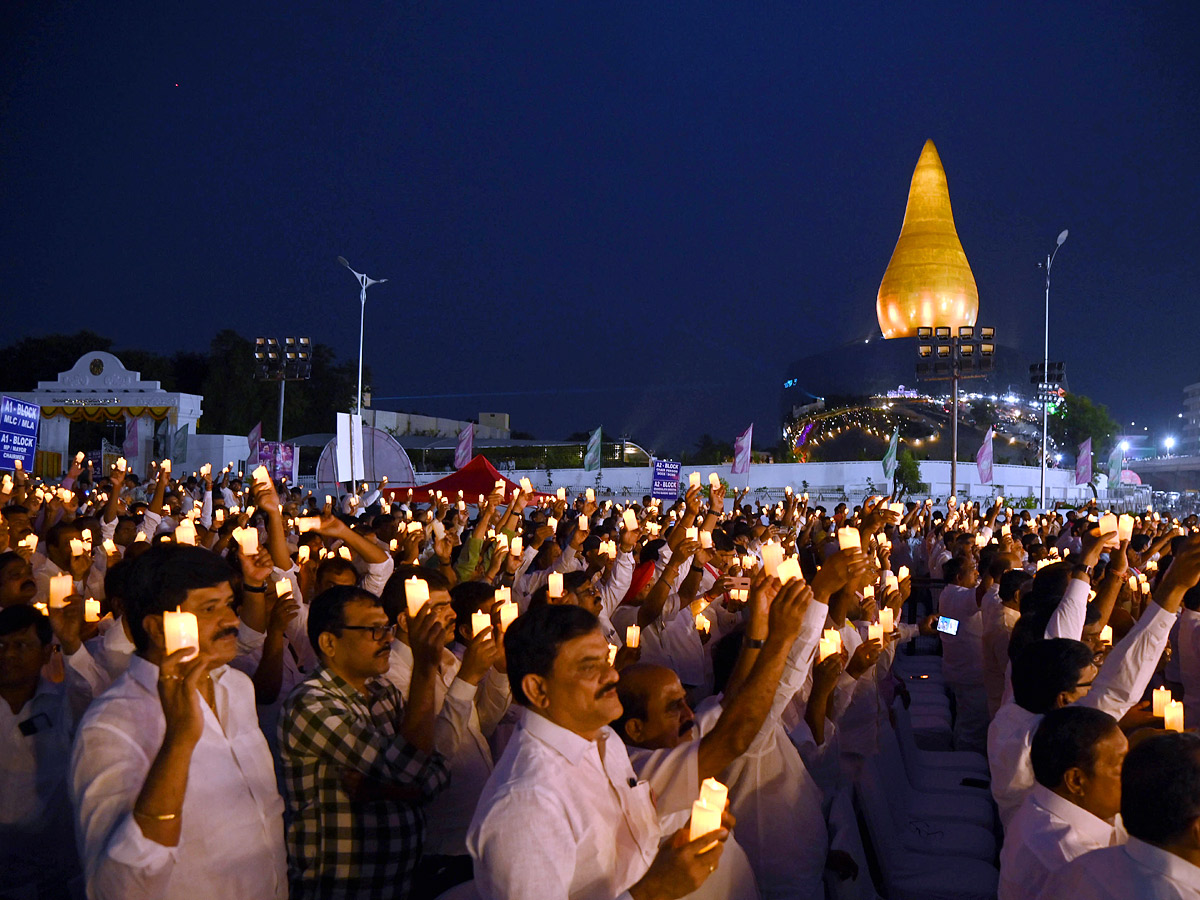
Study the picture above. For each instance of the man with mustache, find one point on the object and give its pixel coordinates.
(172, 780)
(563, 815)
(359, 761)
(659, 726)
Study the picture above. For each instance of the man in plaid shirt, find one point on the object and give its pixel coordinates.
(358, 764)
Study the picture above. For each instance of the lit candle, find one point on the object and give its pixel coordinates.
(61, 588)
(526, 485)
(1106, 635)
(713, 794)
(76, 547)
(1124, 528)
(788, 569)
(91, 610)
(706, 540)
(503, 594)
(703, 625)
(109, 546)
(589, 495)
(869, 592)
(344, 552)
(502, 542)
(612, 654)
(554, 584)
(261, 475)
(714, 480)
(181, 630)
(1161, 697)
(561, 493)
(826, 649)
(552, 523)
(416, 594)
(1173, 716)
(887, 619)
(302, 554)
(508, 614)
(1133, 582)
(582, 523)
(748, 563)
(694, 479)
(705, 820)
(902, 573)
(283, 587)
(394, 545)
(630, 519)
(875, 632)
(479, 621)
(832, 634)
(185, 533)
(691, 534)
(166, 466)
(849, 539)
(772, 556)
(247, 539)
(516, 546)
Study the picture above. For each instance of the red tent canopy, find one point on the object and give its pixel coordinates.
(477, 477)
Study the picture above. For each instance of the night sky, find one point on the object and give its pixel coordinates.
(623, 215)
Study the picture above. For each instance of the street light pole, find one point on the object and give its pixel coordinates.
(954, 427)
(363, 283)
(1046, 362)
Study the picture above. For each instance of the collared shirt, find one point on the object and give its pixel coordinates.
(562, 817)
(962, 653)
(998, 623)
(232, 817)
(1189, 666)
(37, 835)
(1135, 869)
(674, 777)
(1122, 681)
(339, 847)
(1047, 833)
(467, 715)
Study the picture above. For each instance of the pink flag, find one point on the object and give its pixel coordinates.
(253, 439)
(741, 452)
(466, 445)
(1083, 463)
(130, 447)
(983, 459)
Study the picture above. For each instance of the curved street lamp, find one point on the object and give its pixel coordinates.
(1046, 358)
(363, 283)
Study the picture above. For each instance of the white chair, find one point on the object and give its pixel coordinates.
(970, 764)
(917, 875)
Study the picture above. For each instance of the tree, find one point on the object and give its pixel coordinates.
(709, 451)
(908, 474)
(34, 359)
(1076, 418)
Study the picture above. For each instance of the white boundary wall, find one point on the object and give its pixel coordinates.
(831, 479)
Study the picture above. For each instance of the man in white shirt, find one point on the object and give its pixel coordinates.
(168, 723)
(563, 815)
(962, 653)
(998, 622)
(37, 842)
(1075, 805)
(658, 725)
(1188, 642)
(1160, 808)
(471, 695)
(1057, 672)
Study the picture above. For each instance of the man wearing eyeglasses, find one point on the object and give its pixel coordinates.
(358, 761)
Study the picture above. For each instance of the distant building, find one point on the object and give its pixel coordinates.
(1189, 444)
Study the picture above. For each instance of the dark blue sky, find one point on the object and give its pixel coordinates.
(631, 215)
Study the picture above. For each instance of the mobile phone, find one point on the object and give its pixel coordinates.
(738, 583)
(947, 625)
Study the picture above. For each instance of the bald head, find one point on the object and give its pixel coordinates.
(656, 713)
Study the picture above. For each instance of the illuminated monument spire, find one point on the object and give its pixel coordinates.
(928, 280)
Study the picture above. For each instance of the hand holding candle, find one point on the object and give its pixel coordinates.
(416, 594)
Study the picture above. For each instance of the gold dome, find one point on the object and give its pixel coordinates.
(928, 280)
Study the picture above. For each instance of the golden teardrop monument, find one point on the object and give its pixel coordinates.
(928, 280)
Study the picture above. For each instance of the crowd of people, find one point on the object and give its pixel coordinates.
(226, 687)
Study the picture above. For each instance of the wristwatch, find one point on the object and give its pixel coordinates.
(753, 643)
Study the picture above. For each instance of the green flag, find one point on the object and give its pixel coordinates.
(591, 460)
(1116, 462)
(889, 458)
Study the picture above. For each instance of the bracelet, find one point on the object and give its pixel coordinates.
(163, 818)
(261, 589)
(753, 643)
